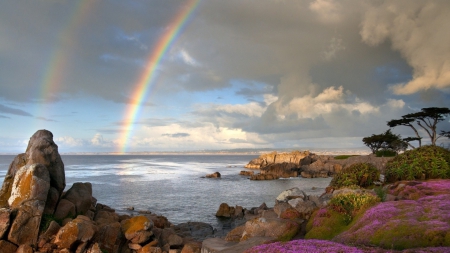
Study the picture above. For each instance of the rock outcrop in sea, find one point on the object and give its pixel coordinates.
(305, 164)
(37, 215)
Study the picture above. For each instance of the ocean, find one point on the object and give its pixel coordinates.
(173, 185)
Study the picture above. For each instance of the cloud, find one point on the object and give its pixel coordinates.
(328, 11)
(334, 47)
(45, 119)
(419, 31)
(177, 135)
(14, 111)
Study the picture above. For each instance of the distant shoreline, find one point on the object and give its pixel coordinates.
(337, 151)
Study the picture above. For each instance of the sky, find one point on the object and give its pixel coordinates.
(189, 75)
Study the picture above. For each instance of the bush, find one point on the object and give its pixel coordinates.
(426, 162)
(350, 203)
(360, 174)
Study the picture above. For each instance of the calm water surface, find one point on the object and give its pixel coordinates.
(171, 185)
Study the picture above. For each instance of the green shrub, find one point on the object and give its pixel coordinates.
(343, 157)
(385, 153)
(350, 203)
(360, 174)
(426, 162)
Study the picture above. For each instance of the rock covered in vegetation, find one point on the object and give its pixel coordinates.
(274, 158)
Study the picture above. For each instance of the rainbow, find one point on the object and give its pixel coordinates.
(148, 76)
(58, 63)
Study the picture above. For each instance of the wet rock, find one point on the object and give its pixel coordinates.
(169, 237)
(281, 170)
(246, 173)
(213, 175)
(225, 210)
(263, 177)
(195, 230)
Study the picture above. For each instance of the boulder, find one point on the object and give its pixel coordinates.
(149, 249)
(169, 237)
(94, 248)
(41, 149)
(213, 245)
(263, 177)
(5, 217)
(246, 173)
(294, 157)
(281, 229)
(137, 229)
(304, 207)
(65, 209)
(213, 175)
(78, 231)
(292, 193)
(192, 247)
(18, 162)
(24, 249)
(80, 194)
(7, 247)
(281, 170)
(235, 235)
(225, 210)
(106, 217)
(28, 196)
(110, 238)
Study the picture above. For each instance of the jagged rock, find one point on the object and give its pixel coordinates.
(289, 194)
(281, 170)
(79, 230)
(5, 216)
(41, 149)
(95, 248)
(225, 210)
(105, 217)
(31, 182)
(80, 194)
(235, 235)
(28, 196)
(52, 230)
(263, 177)
(304, 207)
(18, 162)
(109, 237)
(213, 175)
(246, 173)
(159, 221)
(137, 228)
(52, 201)
(65, 209)
(264, 160)
(7, 247)
(169, 237)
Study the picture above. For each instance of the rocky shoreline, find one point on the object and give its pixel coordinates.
(37, 213)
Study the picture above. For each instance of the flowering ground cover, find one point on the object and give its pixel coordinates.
(419, 222)
(323, 246)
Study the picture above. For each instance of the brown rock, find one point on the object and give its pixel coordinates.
(110, 237)
(52, 201)
(169, 237)
(81, 229)
(136, 228)
(235, 235)
(5, 216)
(7, 247)
(31, 182)
(225, 210)
(304, 207)
(192, 247)
(52, 230)
(41, 149)
(149, 249)
(280, 207)
(246, 173)
(281, 170)
(95, 248)
(213, 175)
(65, 209)
(134, 246)
(80, 194)
(280, 229)
(106, 217)
(18, 162)
(24, 249)
(28, 195)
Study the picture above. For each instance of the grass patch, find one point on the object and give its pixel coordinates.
(343, 157)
